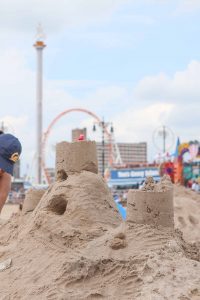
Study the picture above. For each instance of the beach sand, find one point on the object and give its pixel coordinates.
(75, 246)
(8, 210)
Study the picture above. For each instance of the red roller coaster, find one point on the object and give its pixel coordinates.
(55, 120)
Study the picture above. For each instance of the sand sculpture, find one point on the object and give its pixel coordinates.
(153, 204)
(75, 157)
(75, 245)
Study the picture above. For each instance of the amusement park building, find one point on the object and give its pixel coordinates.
(131, 153)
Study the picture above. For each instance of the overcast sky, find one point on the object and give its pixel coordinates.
(134, 62)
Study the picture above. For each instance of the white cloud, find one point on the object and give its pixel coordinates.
(17, 85)
(54, 15)
(137, 124)
(137, 19)
(135, 110)
(13, 125)
(108, 39)
(183, 86)
(187, 6)
(19, 18)
(107, 97)
(18, 101)
(163, 100)
(156, 100)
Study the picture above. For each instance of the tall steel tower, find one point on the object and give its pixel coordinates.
(39, 46)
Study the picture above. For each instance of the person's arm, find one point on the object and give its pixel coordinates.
(5, 185)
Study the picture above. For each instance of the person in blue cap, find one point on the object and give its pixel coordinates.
(10, 150)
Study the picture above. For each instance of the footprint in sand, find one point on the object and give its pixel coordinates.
(182, 221)
(193, 220)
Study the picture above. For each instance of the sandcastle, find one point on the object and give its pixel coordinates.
(74, 244)
(79, 194)
(152, 205)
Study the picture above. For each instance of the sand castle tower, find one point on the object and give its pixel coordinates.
(153, 204)
(75, 157)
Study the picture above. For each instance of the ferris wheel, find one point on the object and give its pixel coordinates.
(163, 139)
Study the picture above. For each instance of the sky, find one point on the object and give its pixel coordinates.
(135, 63)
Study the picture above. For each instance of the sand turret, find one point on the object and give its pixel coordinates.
(75, 157)
(153, 204)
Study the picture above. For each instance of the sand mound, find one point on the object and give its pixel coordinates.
(162, 186)
(78, 209)
(187, 212)
(76, 246)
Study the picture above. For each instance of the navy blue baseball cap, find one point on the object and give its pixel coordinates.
(10, 150)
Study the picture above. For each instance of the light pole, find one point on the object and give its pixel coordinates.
(103, 126)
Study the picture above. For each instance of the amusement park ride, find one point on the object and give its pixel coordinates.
(172, 165)
(163, 134)
(175, 168)
(114, 154)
